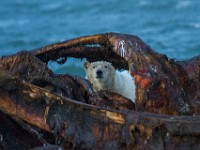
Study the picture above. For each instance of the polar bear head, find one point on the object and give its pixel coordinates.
(99, 73)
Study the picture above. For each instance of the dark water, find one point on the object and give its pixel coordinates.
(171, 27)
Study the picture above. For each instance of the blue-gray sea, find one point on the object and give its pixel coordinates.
(171, 27)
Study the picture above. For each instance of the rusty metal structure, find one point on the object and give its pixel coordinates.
(38, 107)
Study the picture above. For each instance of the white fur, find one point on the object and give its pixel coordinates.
(124, 84)
(112, 80)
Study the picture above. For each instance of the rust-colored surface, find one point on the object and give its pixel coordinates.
(14, 136)
(167, 98)
(164, 86)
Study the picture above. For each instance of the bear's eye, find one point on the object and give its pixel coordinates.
(93, 67)
(106, 67)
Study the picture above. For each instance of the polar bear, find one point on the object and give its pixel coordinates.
(104, 76)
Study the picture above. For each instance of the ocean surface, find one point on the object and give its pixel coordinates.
(171, 27)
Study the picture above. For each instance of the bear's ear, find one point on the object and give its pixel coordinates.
(110, 65)
(86, 64)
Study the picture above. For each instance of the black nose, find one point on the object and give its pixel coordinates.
(99, 72)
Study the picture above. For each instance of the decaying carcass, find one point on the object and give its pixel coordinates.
(64, 110)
